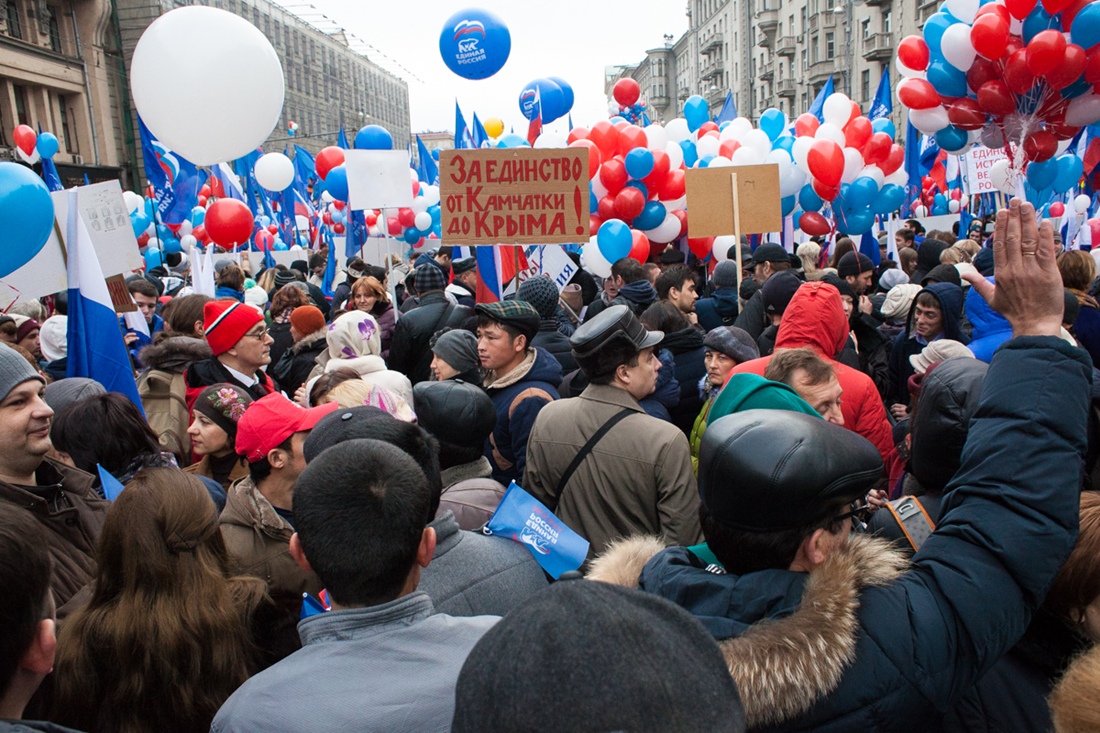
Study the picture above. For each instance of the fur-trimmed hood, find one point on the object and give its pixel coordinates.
(796, 649)
(175, 354)
(309, 343)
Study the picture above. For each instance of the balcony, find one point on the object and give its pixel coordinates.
(768, 20)
(767, 71)
(878, 47)
(820, 71)
(715, 97)
(715, 41)
(660, 102)
(711, 70)
(785, 88)
(821, 21)
(784, 46)
(877, 3)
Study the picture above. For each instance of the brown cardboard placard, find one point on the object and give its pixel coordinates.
(710, 196)
(514, 196)
(120, 294)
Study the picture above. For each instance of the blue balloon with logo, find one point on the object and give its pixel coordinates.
(614, 240)
(372, 137)
(26, 216)
(337, 183)
(475, 43)
(551, 100)
(566, 91)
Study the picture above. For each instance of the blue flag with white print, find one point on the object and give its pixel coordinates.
(524, 519)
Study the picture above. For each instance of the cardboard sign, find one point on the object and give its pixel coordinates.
(514, 196)
(710, 200)
(378, 179)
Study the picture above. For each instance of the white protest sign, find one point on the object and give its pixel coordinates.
(378, 179)
(557, 266)
(979, 163)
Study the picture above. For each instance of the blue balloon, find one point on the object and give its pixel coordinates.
(948, 81)
(337, 183)
(788, 205)
(153, 258)
(372, 137)
(1070, 170)
(435, 155)
(773, 122)
(1085, 30)
(1077, 88)
(808, 199)
(566, 90)
(690, 155)
(1042, 174)
(170, 245)
(639, 163)
(593, 200)
(337, 217)
(952, 138)
(862, 192)
(883, 124)
(140, 223)
(934, 28)
(47, 145)
(704, 162)
(617, 119)
(784, 142)
(280, 246)
(551, 100)
(889, 199)
(614, 240)
(1040, 20)
(651, 217)
(512, 140)
(696, 112)
(939, 205)
(474, 43)
(640, 186)
(412, 235)
(26, 216)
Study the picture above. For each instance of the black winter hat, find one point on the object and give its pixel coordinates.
(983, 262)
(942, 273)
(778, 291)
(853, 264)
(455, 412)
(540, 292)
(588, 656)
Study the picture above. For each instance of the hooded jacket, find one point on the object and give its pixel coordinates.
(720, 309)
(991, 329)
(518, 397)
(815, 319)
(409, 351)
(175, 354)
(637, 296)
(928, 256)
(556, 343)
(950, 297)
(688, 353)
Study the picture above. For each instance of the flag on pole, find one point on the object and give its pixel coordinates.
(462, 133)
(728, 113)
(49, 175)
(817, 109)
(882, 105)
(96, 348)
(496, 271)
(535, 128)
(175, 181)
(330, 265)
(231, 182)
(426, 167)
(305, 170)
(342, 140)
(481, 138)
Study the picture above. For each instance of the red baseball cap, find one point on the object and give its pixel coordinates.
(270, 420)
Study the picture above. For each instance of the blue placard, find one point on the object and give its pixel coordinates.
(524, 519)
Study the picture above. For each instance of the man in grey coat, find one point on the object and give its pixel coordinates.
(382, 659)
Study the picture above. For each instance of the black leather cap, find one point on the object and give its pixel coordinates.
(770, 470)
(769, 252)
(610, 324)
(454, 411)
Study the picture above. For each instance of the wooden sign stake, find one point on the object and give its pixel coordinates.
(737, 232)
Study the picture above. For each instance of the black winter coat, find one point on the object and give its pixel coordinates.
(292, 370)
(409, 350)
(688, 352)
(550, 339)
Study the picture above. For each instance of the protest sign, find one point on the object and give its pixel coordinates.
(378, 179)
(514, 196)
(979, 164)
(710, 197)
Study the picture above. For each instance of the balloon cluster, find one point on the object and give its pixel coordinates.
(626, 101)
(32, 147)
(1011, 74)
(555, 97)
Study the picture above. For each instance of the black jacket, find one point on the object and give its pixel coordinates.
(554, 341)
(409, 350)
(292, 370)
(753, 318)
(688, 352)
(280, 334)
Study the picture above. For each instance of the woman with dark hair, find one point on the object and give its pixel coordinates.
(165, 638)
(684, 343)
(285, 300)
(213, 433)
(843, 246)
(230, 283)
(368, 294)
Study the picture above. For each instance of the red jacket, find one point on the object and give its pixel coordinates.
(815, 319)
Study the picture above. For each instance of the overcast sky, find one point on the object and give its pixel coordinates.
(571, 39)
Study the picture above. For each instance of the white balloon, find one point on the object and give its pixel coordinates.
(374, 231)
(1063, 146)
(185, 228)
(721, 247)
(829, 131)
(675, 204)
(593, 260)
(738, 129)
(675, 156)
(423, 221)
(906, 72)
(719, 162)
(791, 181)
(601, 190)
(837, 109)
(274, 171)
(898, 177)
(953, 206)
(758, 140)
(929, 121)
(707, 145)
(174, 87)
(677, 130)
(551, 140)
(964, 10)
(327, 197)
(747, 156)
(957, 48)
(419, 204)
(1081, 204)
(920, 211)
(1083, 110)
(666, 231)
(613, 108)
(1015, 26)
(187, 241)
(873, 172)
(801, 149)
(301, 223)
(656, 137)
(853, 164)
(133, 201)
(153, 243)
(431, 195)
(964, 201)
(1003, 177)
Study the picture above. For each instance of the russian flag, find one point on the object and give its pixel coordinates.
(535, 128)
(96, 348)
(496, 271)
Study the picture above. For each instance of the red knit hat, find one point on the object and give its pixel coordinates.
(226, 322)
(307, 319)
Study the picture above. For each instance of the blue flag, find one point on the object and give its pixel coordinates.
(883, 104)
(356, 233)
(305, 172)
(330, 265)
(570, 117)
(111, 486)
(462, 133)
(868, 245)
(49, 175)
(524, 519)
(646, 122)
(342, 140)
(818, 106)
(728, 113)
(426, 167)
(912, 165)
(480, 136)
(175, 180)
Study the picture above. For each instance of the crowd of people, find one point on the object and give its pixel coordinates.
(818, 494)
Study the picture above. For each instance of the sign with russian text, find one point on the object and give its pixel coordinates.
(514, 196)
(979, 164)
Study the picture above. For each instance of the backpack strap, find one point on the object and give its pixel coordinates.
(586, 449)
(913, 520)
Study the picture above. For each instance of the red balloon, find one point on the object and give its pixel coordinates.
(994, 9)
(263, 240)
(594, 156)
(807, 124)
(1017, 73)
(981, 71)
(606, 137)
(1057, 209)
(857, 133)
(996, 98)
(594, 225)
(202, 201)
(406, 217)
(826, 162)
(675, 186)
(1019, 9)
(814, 224)
(371, 218)
(966, 114)
(393, 226)
(1038, 146)
(216, 188)
(729, 147)
(701, 246)
(25, 138)
(1056, 6)
(606, 207)
(613, 174)
(620, 125)
(1069, 69)
(1092, 67)
(659, 174)
(639, 250)
(228, 222)
(143, 239)
(205, 190)
(199, 233)
(682, 215)
(913, 52)
(705, 128)
(918, 94)
(989, 35)
(337, 228)
(1045, 51)
(339, 205)
(825, 193)
(877, 148)
(327, 218)
(631, 137)
(893, 160)
(577, 133)
(629, 202)
(626, 92)
(274, 229)
(856, 113)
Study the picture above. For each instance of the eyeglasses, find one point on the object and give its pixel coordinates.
(260, 336)
(860, 514)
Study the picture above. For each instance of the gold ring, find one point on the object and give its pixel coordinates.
(1029, 254)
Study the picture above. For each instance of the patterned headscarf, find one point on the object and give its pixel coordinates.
(353, 334)
(224, 404)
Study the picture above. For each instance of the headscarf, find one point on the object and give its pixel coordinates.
(353, 334)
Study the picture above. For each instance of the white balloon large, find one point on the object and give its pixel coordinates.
(1081, 204)
(956, 46)
(964, 10)
(274, 171)
(1002, 176)
(837, 109)
(1083, 110)
(656, 137)
(133, 201)
(929, 121)
(212, 106)
(593, 260)
(677, 130)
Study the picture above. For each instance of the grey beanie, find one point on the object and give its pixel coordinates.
(542, 293)
(725, 274)
(14, 370)
(459, 349)
(734, 342)
(64, 393)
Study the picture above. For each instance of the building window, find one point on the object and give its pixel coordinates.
(813, 50)
(55, 30)
(805, 65)
(886, 21)
(865, 84)
(830, 46)
(68, 125)
(20, 104)
(790, 25)
(865, 27)
(11, 15)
